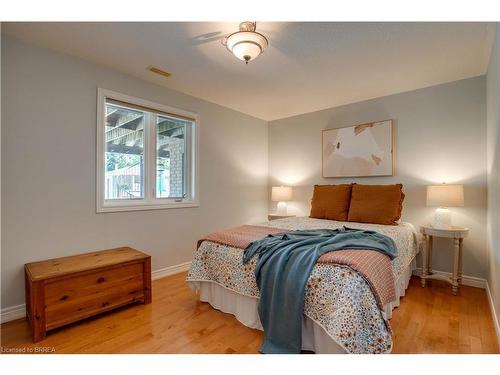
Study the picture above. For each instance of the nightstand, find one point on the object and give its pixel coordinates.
(457, 234)
(276, 216)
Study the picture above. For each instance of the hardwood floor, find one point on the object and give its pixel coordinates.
(429, 320)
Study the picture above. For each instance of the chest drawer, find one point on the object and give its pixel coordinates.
(78, 297)
(64, 290)
(70, 289)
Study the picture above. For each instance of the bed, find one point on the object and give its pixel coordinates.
(341, 314)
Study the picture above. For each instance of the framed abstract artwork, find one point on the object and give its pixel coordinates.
(359, 151)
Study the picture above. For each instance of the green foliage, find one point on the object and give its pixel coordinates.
(117, 161)
(124, 187)
(162, 164)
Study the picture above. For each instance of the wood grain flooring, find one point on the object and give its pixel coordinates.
(429, 320)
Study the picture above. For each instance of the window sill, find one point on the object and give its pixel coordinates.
(146, 207)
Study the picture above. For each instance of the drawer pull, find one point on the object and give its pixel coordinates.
(101, 280)
(63, 298)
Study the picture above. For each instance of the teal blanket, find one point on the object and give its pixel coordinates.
(285, 262)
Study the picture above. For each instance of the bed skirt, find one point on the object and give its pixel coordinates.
(314, 337)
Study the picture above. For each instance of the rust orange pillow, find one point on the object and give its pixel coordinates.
(331, 202)
(376, 204)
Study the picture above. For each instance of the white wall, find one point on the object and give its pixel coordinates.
(48, 163)
(441, 136)
(493, 165)
(48, 167)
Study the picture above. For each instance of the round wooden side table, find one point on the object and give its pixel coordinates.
(457, 234)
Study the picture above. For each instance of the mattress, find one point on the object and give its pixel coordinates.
(338, 300)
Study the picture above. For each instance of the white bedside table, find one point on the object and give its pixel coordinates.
(457, 234)
(276, 216)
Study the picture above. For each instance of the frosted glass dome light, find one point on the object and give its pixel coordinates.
(246, 44)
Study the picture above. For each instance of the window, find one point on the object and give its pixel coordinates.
(146, 155)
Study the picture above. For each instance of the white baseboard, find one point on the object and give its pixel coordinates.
(171, 270)
(12, 313)
(493, 313)
(18, 312)
(474, 281)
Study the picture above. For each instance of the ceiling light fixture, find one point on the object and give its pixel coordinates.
(246, 44)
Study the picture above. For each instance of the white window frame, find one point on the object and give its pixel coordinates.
(149, 201)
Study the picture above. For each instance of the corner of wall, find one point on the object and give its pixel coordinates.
(493, 180)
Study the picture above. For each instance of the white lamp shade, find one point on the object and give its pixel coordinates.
(445, 195)
(246, 45)
(281, 193)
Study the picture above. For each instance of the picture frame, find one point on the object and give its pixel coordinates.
(363, 150)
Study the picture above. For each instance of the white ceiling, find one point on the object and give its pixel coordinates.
(307, 67)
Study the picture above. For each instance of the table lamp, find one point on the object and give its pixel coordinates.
(444, 196)
(281, 194)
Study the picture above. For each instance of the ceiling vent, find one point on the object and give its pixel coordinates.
(156, 70)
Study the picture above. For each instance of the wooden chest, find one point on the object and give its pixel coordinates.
(64, 290)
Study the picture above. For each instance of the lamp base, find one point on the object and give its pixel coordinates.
(281, 210)
(442, 218)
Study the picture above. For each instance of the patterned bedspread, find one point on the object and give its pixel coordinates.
(337, 298)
